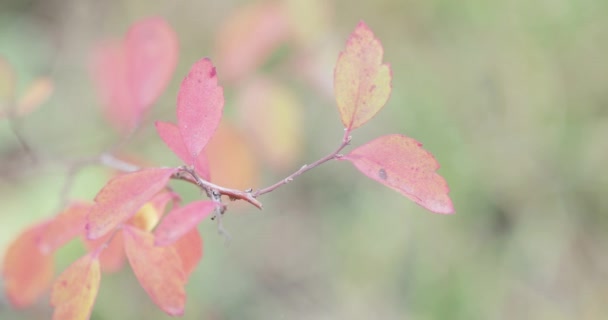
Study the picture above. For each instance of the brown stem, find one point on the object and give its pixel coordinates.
(304, 168)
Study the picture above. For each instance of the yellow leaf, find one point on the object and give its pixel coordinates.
(362, 84)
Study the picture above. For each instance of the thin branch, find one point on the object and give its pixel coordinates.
(304, 168)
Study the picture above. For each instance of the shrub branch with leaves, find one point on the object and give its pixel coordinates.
(127, 220)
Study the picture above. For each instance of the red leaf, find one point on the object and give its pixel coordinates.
(67, 225)
(151, 47)
(26, 271)
(190, 250)
(402, 164)
(112, 257)
(362, 84)
(75, 290)
(181, 220)
(122, 197)
(170, 134)
(200, 102)
(158, 269)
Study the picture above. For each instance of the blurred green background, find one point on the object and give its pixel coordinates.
(510, 96)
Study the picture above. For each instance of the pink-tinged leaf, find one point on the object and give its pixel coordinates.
(171, 136)
(122, 197)
(158, 269)
(151, 47)
(362, 84)
(109, 71)
(75, 290)
(112, 256)
(200, 102)
(26, 271)
(181, 220)
(402, 164)
(249, 37)
(67, 225)
(190, 250)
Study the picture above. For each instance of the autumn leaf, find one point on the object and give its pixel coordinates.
(27, 272)
(200, 102)
(231, 159)
(190, 250)
(131, 73)
(75, 290)
(35, 95)
(272, 117)
(109, 71)
(158, 269)
(362, 84)
(171, 136)
(151, 48)
(112, 257)
(181, 220)
(8, 83)
(67, 225)
(402, 164)
(122, 197)
(248, 37)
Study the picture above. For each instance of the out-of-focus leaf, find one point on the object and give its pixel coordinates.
(249, 37)
(190, 250)
(7, 87)
(152, 48)
(272, 117)
(27, 272)
(112, 257)
(67, 225)
(35, 95)
(131, 74)
(171, 136)
(301, 13)
(158, 269)
(122, 196)
(200, 103)
(401, 163)
(362, 84)
(75, 290)
(109, 71)
(181, 220)
(231, 159)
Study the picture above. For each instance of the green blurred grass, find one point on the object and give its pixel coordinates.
(511, 98)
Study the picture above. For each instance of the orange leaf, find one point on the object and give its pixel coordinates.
(64, 227)
(362, 84)
(148, 216)
(158, 269)
(35, 95)
(75, 290)
(200, 102)
(231, 159)
(181, 220)
(26, 271)
(402, 164)
(190, 250)
(122, 196)
(112, 257)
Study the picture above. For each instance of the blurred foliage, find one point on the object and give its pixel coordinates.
(510, 96)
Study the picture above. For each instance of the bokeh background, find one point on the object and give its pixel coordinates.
(510, 96)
